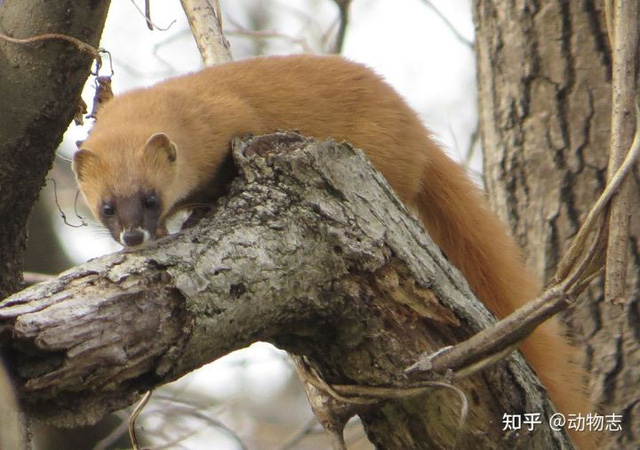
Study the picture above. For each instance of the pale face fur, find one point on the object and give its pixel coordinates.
(128, 197)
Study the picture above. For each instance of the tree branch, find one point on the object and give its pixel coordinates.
(625, 47)
(205, 20)
(311, 251)
(343, 19)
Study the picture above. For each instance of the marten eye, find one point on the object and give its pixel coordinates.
(108, 209)
(151, 201)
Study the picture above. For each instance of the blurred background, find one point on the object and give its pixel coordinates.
(252, 398)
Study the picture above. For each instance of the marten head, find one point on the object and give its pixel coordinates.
(126, 185)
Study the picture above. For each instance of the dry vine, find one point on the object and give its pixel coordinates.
(82, 46)
(577, 268)
(622, 23)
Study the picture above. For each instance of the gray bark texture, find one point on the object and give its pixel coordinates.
(40, 86)
(311, 251)
(544, 79)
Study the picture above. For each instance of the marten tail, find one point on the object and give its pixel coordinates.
(458, 219)
(473, 238)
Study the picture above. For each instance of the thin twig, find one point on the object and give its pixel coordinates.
(304, 430)
(194, 412)
(83, 223)
(190, 408)
(343, 8)
(266, 34)
(82, 46)
(369, 395)
(472, 146)
(490, 344)
(579, 242)
(146, 14)
(448, 23)
(109, 440)
(358, 394)
(134, 416)
(580, 272)
(318, 381)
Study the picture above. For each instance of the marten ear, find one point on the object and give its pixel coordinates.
(82, 160)
(160, 143)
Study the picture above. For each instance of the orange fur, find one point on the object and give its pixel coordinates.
(325, 97)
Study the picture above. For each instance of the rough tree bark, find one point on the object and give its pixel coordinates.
(312, 253)
(544, 79)
(40, 85)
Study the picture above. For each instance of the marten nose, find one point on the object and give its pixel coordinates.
(132, 238)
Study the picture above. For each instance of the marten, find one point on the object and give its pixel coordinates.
(154, 150)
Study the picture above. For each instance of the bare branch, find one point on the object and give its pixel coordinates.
(473, 141)
(81, 46)
(625, 46)
(343, 8)
(265, 34)
(447, 22)
(304, 430)
(205, 20)
(579, 242)
(295, 255)
(134, 416)
(146, 14)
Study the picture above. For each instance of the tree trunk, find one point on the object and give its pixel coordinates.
(40, 86)
(544, 80)
(310, 251)
(45, 253)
